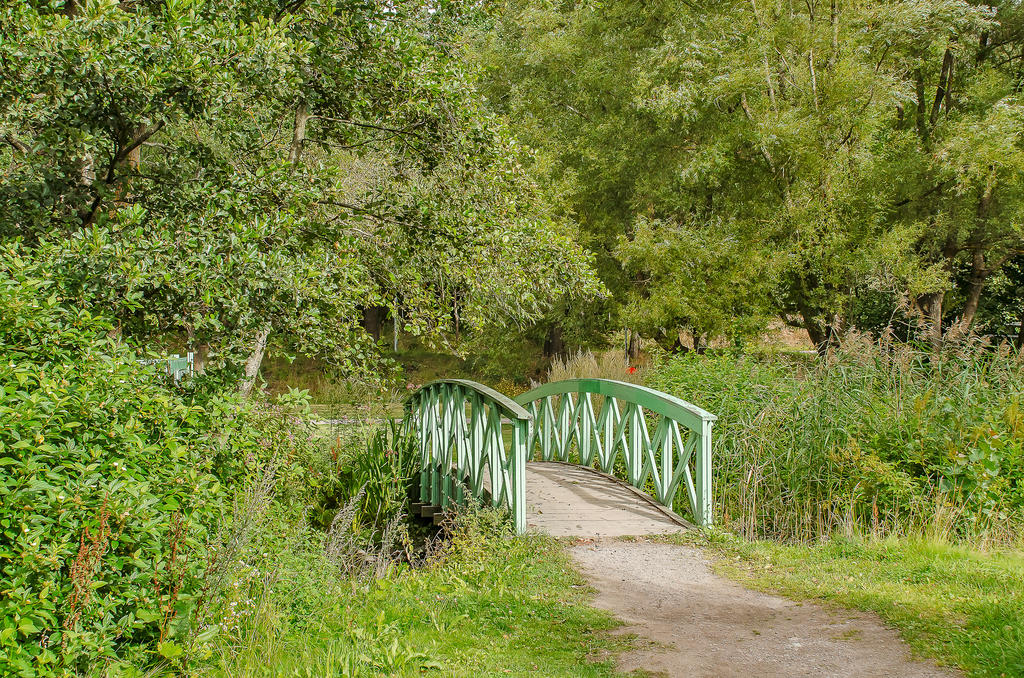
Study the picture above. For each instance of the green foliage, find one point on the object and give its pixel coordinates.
(876, 438)
(108, 484)
(736, 162)
(113, 482)
(956, 604)
(384, 471)
(487, 603)
(220, 171)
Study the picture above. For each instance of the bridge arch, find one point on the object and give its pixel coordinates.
(472, 438)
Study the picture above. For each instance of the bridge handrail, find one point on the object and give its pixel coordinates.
(509, 407)
(456, 446)
(655, 401)
(660, 463)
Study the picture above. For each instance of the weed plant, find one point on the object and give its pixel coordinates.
(586, 365)
(483, 603)
(384, 471)
(878, 437)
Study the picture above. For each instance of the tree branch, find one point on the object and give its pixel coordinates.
(360, 210)
(368, 125)
(937, 187)
(119, 157)
(141, 138)
(17, 145)
(942, 90)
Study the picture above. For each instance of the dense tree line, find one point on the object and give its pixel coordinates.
(830, 162)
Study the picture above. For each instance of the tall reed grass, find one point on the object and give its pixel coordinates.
(879, 437)
(605, 365)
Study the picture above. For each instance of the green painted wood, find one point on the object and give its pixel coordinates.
(657, 402)
(458, 427)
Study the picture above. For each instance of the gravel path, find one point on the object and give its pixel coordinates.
(704, 625)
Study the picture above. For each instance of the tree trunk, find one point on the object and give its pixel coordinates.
(979, 275)
(255, 359)
(815, 332)
(373, 319)
(633, 348)
(199, 355)
(1019, 343)
(979, 271)
(455, 313)
(299, 132)
(87, 174)
(931, 313)
(134, 158)
(833, 331)
(395, 326)
(199, 351)
(554, 343)
(942, 91)
(678, 347)
(88, 214)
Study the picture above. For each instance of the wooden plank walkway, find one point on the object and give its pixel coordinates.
(574, 501)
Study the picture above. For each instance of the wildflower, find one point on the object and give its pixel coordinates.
(632, 370)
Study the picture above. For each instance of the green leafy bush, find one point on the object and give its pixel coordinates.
(110, 482)
(107, 486)
(877, 437)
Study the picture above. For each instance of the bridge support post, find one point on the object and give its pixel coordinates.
(704, 506)
(634, 454)
(517, 493)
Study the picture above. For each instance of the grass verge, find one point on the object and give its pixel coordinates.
(959, 606)
(492, 606)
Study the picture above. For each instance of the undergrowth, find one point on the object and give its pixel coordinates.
(878, 438)
(482, 603)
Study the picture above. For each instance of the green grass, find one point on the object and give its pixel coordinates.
(878, 438)
(495, 606)
(954, 604)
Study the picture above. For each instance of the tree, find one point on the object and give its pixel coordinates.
(254, 174)
(839, 146)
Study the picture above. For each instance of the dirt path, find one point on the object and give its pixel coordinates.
(704, 625)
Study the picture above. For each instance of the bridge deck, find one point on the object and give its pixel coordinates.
(573, 501)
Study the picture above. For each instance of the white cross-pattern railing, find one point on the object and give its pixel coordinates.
(569, 428)
(470, 437)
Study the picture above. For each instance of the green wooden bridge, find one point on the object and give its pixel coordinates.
(564, 450)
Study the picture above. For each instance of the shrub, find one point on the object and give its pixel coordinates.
(110, 482)
(877, 437)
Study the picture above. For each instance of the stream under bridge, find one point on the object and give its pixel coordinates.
(580, 457)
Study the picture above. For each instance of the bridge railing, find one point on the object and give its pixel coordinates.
(678, 452)
(470, 437)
